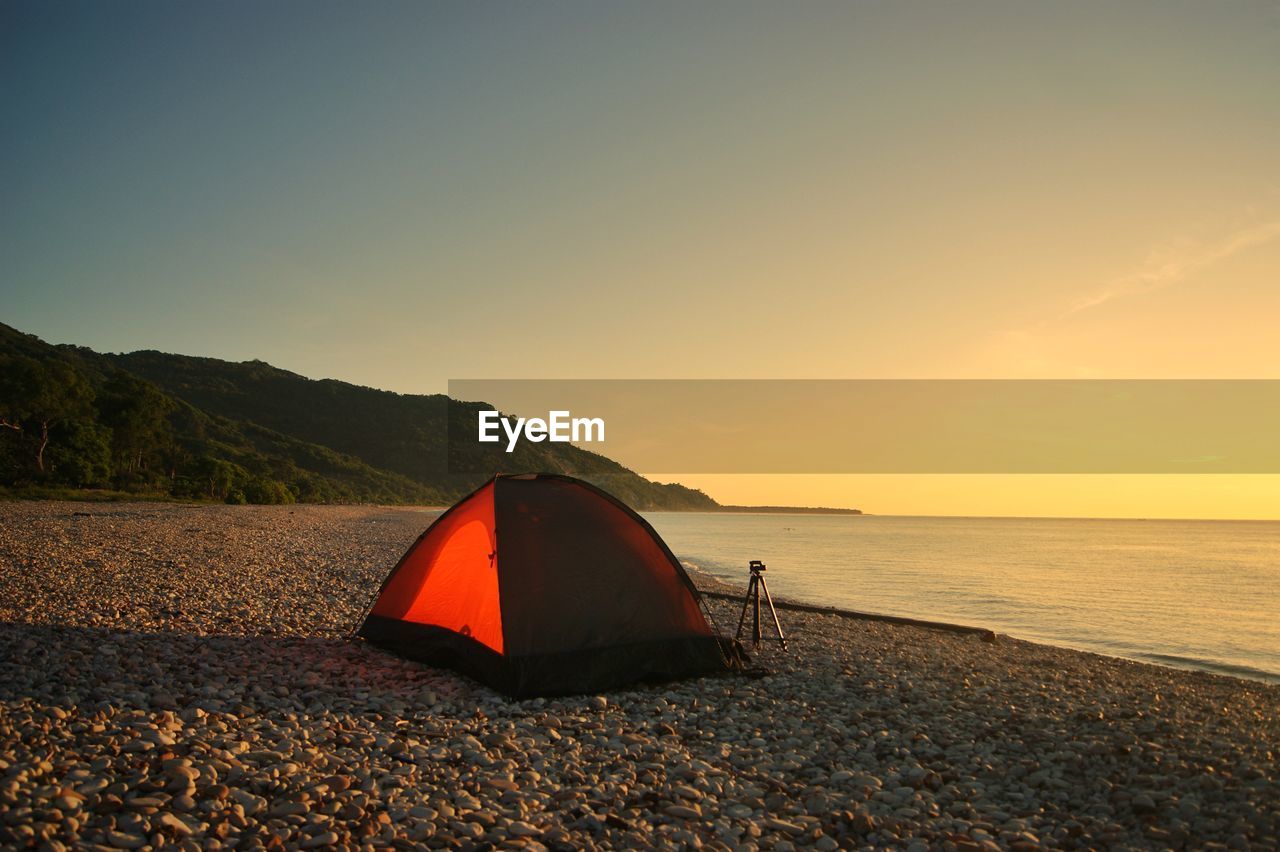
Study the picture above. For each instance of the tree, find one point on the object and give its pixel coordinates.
(37, 397)
(137, 413)
(81, 455)
(268, 491)
(217, 477)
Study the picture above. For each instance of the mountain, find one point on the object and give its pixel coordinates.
(406, 434)
(71, 420)
(201, 428)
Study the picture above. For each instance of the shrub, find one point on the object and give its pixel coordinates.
(260, 489)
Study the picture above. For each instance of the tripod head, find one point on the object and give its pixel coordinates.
(756, 567)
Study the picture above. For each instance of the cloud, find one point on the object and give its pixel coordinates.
(1163, 271)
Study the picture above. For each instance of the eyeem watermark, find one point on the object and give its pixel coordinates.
(560, 427)
(1082, 426)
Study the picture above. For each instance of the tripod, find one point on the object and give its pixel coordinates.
(753, 600)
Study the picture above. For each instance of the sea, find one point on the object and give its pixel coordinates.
(1190, 594)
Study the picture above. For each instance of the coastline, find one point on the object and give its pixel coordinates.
(715, 587)
(787, 510)
(179, 674)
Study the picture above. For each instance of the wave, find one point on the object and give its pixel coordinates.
(1208, 665)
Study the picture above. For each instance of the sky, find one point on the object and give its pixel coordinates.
(400, 194)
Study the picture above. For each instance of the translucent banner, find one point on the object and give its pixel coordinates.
(875, 426)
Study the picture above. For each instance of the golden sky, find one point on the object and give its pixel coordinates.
(1234, 497)
(413, 193)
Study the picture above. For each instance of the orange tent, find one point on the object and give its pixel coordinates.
(541, 584)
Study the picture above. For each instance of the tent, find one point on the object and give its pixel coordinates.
(541, 584)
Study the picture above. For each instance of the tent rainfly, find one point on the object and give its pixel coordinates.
(540, 584)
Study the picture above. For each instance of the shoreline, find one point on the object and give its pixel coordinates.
(91, 496)
(786, 510)
(180, 675)
(712, 586)
(716, 588)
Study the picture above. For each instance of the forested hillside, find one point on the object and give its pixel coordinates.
(154, 424)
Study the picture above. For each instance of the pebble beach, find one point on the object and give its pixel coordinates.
(181, 676)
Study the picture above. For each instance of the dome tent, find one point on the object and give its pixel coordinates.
(540, 584)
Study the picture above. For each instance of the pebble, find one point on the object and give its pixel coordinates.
(682, 811)
(328, 838)
(523, 829)
(122, 840)
(285, 809)
(170, 821)
(201, 686)
(776, 824)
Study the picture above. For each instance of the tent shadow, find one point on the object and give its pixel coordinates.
(88, 667)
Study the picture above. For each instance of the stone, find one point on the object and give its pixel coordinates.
(682, 811)
(285, 809)
(327, 838)
(775, 824)
(168, 820)
(124, 840)
(523, 829)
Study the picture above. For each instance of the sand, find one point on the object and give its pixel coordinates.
(181, 675)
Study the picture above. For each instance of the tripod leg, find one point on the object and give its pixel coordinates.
(746, 601)
(772, 609)
(755, 616)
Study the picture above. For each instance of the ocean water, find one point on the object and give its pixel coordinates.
(1191, 594)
